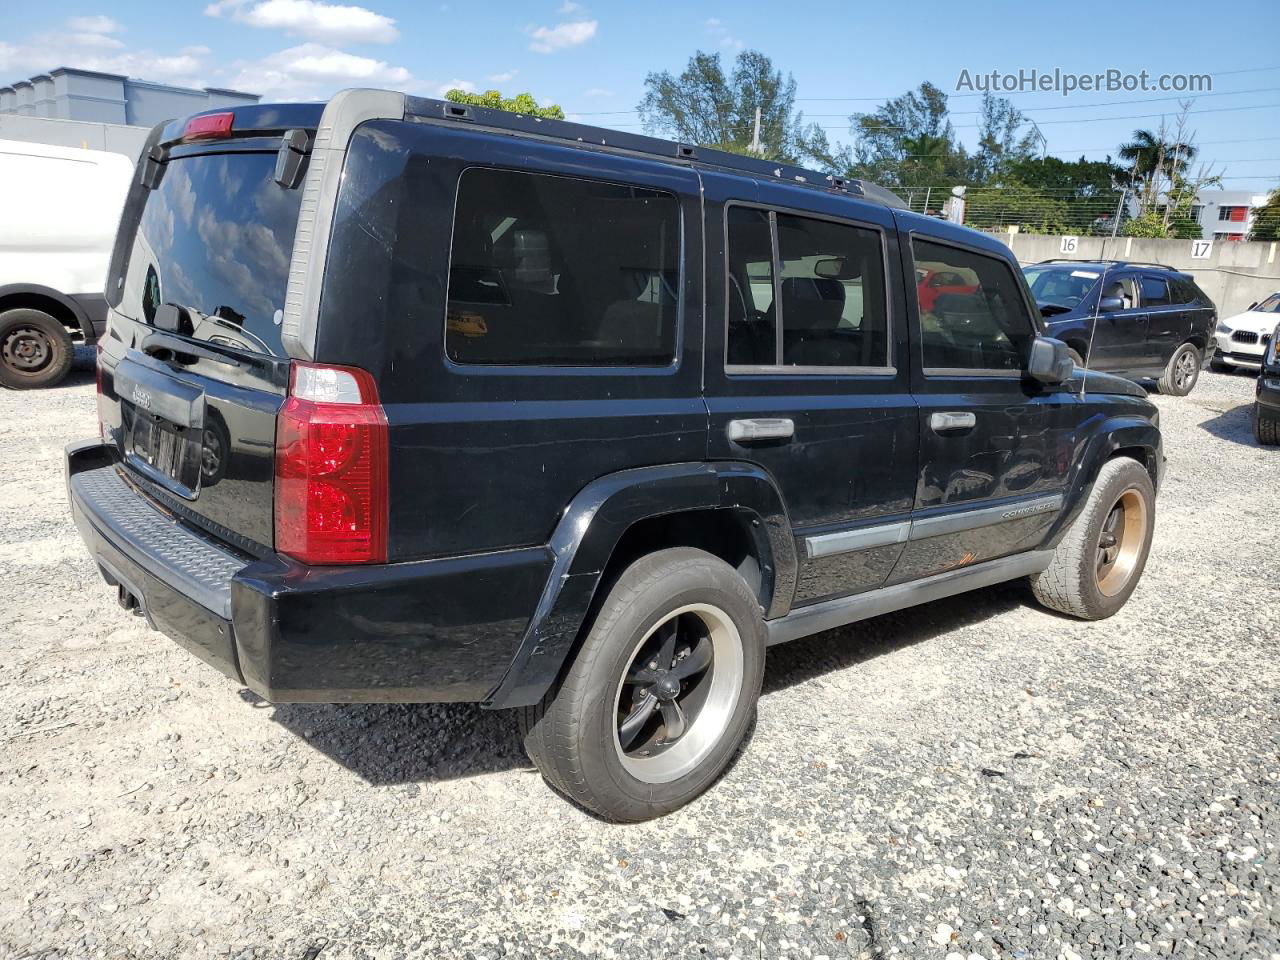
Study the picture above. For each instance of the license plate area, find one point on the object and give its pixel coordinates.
(164, 452)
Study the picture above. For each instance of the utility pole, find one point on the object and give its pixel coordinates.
(755, 137)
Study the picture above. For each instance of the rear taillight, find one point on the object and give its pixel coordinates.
(331, 467)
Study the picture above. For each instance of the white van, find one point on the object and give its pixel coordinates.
(61, 208)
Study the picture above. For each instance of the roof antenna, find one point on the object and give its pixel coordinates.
(1102, 287)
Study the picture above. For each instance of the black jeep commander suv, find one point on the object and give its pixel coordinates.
(404, 400)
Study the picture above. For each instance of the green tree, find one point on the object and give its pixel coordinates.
(520, 103)
(1149, 224)
(1155, 157)
(908, 141)
(706, 106)
(1003, 139)
(1089, 190)
(1266, 221)
(1031, 210)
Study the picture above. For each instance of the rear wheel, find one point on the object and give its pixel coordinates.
(660, 696)
(35, 349)
(1182, 372)
(1217, 366)
(1100, 559)
(1265, 429)
(1075, 357)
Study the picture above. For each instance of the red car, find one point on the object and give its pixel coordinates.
(933, 282)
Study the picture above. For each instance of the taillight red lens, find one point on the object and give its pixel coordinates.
(212, 126)
(331, 468)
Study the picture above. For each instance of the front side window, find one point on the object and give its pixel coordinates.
(804, 292)
(1122, 289)
(556, 271)
(972, 312)
(1155, 292)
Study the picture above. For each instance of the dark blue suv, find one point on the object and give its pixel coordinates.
(1138, 320)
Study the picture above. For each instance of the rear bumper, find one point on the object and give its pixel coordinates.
(437, 630)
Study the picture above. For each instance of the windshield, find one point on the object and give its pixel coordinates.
(212, 251)
(1066, 286)
(1269, 305)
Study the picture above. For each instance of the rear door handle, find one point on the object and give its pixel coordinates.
(946, 422)
(761, 428)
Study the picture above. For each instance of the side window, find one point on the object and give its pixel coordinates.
(1125, 290)
(752, 330)
(559, 271)
(972, 313)
(804, 292)
(1155, 292)
(832, 294)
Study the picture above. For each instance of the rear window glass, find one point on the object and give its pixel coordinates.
(1155, 292)
(211, 254)
(554, 270)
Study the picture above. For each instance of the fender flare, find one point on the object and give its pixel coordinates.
(77, 311)
(1120, 432)
(594, 523)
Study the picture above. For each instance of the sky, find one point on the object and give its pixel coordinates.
(592, 57)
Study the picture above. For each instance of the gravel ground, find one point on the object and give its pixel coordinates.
(974, 778)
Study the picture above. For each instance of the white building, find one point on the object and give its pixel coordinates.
(1226, 214)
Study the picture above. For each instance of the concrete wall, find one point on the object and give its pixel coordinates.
(114, 138)
(1234, 275)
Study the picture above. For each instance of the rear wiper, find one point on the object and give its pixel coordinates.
(164, 346)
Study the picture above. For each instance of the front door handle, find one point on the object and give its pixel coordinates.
(947, 422)
(761, 428)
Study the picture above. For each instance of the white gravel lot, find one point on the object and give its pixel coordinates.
(974, 778)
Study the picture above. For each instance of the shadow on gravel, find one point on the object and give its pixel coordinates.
(1234, 425)
(389, 744)
(394, 744)
(801, 660)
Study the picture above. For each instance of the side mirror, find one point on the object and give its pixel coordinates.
(1050, 360)
(1108, 304)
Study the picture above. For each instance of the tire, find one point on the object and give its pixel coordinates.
(574, 735)
(1265, 430)
(1076, 358)
(1182, 372)
(1078, 581)
(35, 349)
(1217, 366)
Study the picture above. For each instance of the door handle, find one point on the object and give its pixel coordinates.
(761, 428)
(946, 422)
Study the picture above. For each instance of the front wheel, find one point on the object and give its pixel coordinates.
(1100, 559)
(1265, 429)
(660, 695)
(1182, 372)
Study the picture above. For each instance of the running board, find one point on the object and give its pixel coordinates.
(806, 621)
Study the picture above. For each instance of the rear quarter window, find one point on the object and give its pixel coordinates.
(558, 271)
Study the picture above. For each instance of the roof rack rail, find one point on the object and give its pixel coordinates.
(428, 109)
(1124, 263)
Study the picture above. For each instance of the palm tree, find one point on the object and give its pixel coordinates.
(1153, 158)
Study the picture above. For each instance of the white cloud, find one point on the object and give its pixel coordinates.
(315, 19)
(599, 92)
(569, 7)
(466, 86)
(562, 36)
(86, 43)
(315, 71)
(501, 78)
(717, 29)
(97, 24)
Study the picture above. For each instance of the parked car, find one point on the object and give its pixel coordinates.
(574, 422)
(1137, 320)
(1266, 406)
(61, 208)
(1242, 340)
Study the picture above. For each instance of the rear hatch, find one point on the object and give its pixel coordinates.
(194, 371)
